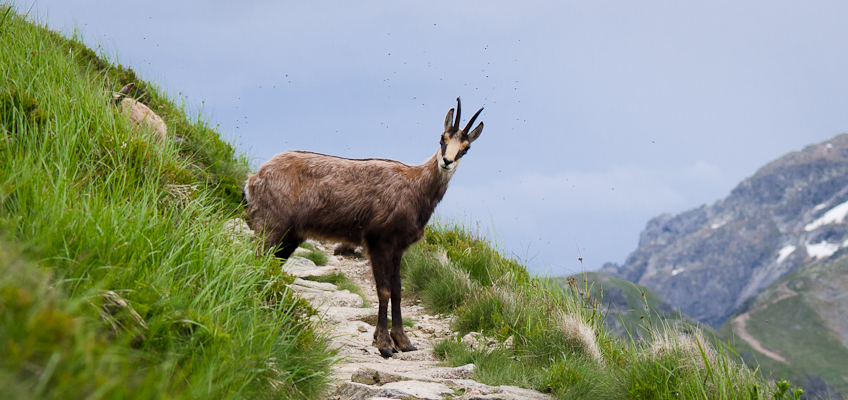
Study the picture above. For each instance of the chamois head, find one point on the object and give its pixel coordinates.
(455, 143)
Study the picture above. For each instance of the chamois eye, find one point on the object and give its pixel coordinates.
(466, 150)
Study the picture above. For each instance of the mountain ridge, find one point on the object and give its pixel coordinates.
(709, 260)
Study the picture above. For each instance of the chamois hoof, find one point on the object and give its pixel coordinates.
(387, 353)
(408, 348)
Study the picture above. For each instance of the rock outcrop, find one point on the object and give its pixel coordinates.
(708, 261)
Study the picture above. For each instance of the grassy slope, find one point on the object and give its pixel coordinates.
(117, 279)
(794, 327)
(560, 342)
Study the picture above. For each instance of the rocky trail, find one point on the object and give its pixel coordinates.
(349, 321)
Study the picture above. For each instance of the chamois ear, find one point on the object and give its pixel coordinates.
(474, 134)
(449, 121)
(126, 89)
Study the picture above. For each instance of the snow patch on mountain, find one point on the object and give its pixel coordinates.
(822, 250)
(835, 215)
(785, 252)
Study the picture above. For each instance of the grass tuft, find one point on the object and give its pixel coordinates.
(315, 255)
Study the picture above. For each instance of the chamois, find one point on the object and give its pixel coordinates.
(138, 112)
(383, 205)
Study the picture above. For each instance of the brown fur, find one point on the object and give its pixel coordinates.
(139, 113)
(381, 204)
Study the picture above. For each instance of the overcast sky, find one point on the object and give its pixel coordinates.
(599, 115)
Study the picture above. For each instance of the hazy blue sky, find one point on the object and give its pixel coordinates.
(599, 114)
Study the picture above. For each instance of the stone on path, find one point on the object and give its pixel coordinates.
(325, 286)
(303, 268)
(419, 390)
(393, 390)
(322, 298)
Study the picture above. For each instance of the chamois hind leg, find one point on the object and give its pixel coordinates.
(398, 335)
(381, 267)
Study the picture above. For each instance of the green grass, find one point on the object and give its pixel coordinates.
(317, 256)
(630, 307)
(88, 212)
(343, 283)
(560, 342)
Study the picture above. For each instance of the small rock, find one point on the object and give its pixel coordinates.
(295, 264)
(339, 314)
(363, 329)
(236, 228)
(464, 372)
(354, 390)
(319, 298)
(391, 394)
(301, 252)
(420, 355)
(329, 287)
(370, 376)
(472, 338)
(302, 267)
(418, 390)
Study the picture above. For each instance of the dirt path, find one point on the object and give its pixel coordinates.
(362, 373)
(740, 321)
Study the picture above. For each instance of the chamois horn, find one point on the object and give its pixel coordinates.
(458, 115)
(468, 127)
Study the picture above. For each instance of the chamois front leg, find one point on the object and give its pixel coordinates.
(282, 240)
(398, 335)
(381, 267)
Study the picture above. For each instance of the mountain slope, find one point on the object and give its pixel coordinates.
(798, 325)
(708, 261)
